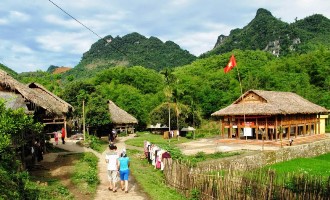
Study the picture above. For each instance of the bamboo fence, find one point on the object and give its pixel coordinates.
(218, 183)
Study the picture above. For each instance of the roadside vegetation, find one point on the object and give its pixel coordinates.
(150, 179)
(80, 169)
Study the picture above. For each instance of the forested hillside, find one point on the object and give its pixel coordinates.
(202, 87)
(131, 50)
(195, 89)
(265, 32)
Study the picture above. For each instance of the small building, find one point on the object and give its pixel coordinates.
(259, 114)
(33, 98)
(60, 108)
(120, 119)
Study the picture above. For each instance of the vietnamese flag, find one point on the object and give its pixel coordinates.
(231, 64)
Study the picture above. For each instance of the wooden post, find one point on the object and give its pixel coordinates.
(83, 114)
(276, 137)
(296, 131)
(66, 132)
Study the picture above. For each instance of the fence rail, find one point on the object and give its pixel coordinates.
(210, 184)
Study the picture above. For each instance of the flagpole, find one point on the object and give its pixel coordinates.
(240, 84)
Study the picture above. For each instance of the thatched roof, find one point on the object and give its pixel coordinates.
(120, 116)
(7, 83)
(259, 102)
(60, 104)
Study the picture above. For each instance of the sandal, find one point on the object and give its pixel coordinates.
(110, 189)
(122, 189)
(114, 191)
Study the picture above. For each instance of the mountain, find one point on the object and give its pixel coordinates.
(132, 50)
(265, 32)
(57, 70)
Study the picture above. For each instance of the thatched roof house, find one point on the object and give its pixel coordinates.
(119, 116)
(260, 102)
(272, 112)
(35, 100)
(57, 102)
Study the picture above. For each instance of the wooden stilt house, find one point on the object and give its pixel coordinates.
(259, 114)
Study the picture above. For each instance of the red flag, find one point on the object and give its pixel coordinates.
(231, 64)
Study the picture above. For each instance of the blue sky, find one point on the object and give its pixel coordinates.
(35, 34)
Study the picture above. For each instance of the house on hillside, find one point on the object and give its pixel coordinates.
(270, 115)
(121, 120)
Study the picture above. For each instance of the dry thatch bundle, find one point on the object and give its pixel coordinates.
(120, 116)
(50, 103)
(260, 102)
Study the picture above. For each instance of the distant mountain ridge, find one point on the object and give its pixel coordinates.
(133, 50)
(265, 32)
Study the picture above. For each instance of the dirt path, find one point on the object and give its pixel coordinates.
(102, 192)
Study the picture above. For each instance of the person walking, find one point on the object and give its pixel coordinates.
(63, 135)
(56, 137)
(123, 164)
(111, 158)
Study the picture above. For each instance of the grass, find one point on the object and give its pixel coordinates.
(85, 174)
(318, 166)
(47, 189)
(99, 145)
(151, 180)
(201, 156)
(155, 139)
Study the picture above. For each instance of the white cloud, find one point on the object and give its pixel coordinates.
(3, 21)
(65, 23)
(65, 42)
(36, 34)
(18, 16)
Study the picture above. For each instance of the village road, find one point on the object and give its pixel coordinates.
(102, 193)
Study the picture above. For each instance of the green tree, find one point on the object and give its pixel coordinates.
(97, 114)
(15, 127)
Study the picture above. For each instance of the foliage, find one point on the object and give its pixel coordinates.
(76, 92)
(8, 70)
(151, 180)
(51, 82)
(95, 143)
(97, 114)
(154, 139)
(264, 31)
(85, 173)
(131, 50)
(196, 90)
(14, 127)
(160, 115)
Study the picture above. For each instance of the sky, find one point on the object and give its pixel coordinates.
(35, 34)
